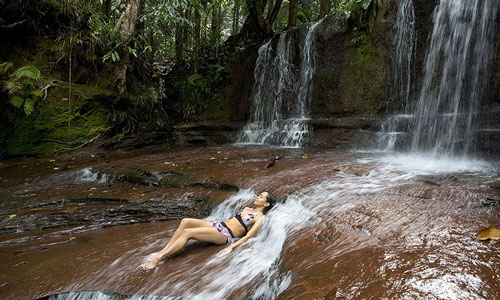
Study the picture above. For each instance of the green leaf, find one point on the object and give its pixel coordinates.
(193, 78)
(17, 101)
(27, 71)
(106, 56)
(114, 56)
(5, 67)
(29, 106)
(37, 93)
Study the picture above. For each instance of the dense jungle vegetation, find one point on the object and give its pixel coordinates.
(73, 71)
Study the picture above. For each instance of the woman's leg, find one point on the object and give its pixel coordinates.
(202, 234)
(185, 224)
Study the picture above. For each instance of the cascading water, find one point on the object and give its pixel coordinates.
(395, 128)
(443, 120)
(405, 45)
(282, 92)
(455, 72)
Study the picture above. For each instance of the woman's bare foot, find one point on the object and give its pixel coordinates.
(151, 264)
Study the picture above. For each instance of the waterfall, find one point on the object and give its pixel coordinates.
(443, 119)
(282, 92)
(455, 73)
(395, 128)
(405, 44)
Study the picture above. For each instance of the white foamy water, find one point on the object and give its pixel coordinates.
(420, 163)
(89, 175)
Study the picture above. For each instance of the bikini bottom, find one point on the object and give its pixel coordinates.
(223, 229)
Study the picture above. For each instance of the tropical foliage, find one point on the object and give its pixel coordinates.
(142, 64)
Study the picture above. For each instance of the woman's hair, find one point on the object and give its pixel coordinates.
(271, 200)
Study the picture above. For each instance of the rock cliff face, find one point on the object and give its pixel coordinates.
(353, 76)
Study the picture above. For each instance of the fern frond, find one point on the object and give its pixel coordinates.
(27, 71)
(17, 101)
(36, 93)
(4, 68)
(29, 106)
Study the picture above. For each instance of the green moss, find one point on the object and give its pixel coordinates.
(216, 111)
(56, 125)
(364, 77)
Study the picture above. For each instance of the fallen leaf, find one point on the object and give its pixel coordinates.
(56, 168)
(489, 233)
(12, 216)
(52, 160)
(306, 156)
(19, 264)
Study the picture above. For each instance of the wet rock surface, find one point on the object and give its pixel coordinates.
(350, 228)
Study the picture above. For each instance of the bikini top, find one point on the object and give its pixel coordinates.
(245, 221)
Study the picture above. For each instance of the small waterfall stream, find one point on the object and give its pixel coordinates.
(282, 92)
(443, 118)
(395, 128)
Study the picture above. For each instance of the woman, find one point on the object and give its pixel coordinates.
(243, 226)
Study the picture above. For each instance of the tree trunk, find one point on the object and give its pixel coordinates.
(215, 24)
(196, 46)
(106, 8)
(270, 5)
(274, 13)
(292, 14)
(324, 8)
(236, 16)
(127, 22)
(126, 25)
(255, 26)
(179, 42)
(185, 34)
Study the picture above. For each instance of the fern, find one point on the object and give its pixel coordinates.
(23, 87)
(28, 72)
(29, 106)
(36, 93)
(4, 68)
(17, 101)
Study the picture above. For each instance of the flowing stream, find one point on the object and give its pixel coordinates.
(405, 227)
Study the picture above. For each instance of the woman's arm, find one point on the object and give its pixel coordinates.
(253, 231)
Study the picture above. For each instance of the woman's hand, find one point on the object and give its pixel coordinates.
(225, 251)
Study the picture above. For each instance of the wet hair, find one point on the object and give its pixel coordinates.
(271, 199)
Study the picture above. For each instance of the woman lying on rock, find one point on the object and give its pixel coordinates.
(243, 226)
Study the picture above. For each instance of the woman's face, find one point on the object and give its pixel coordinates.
(261, 200)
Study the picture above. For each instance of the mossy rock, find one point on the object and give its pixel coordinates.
(56, 124)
